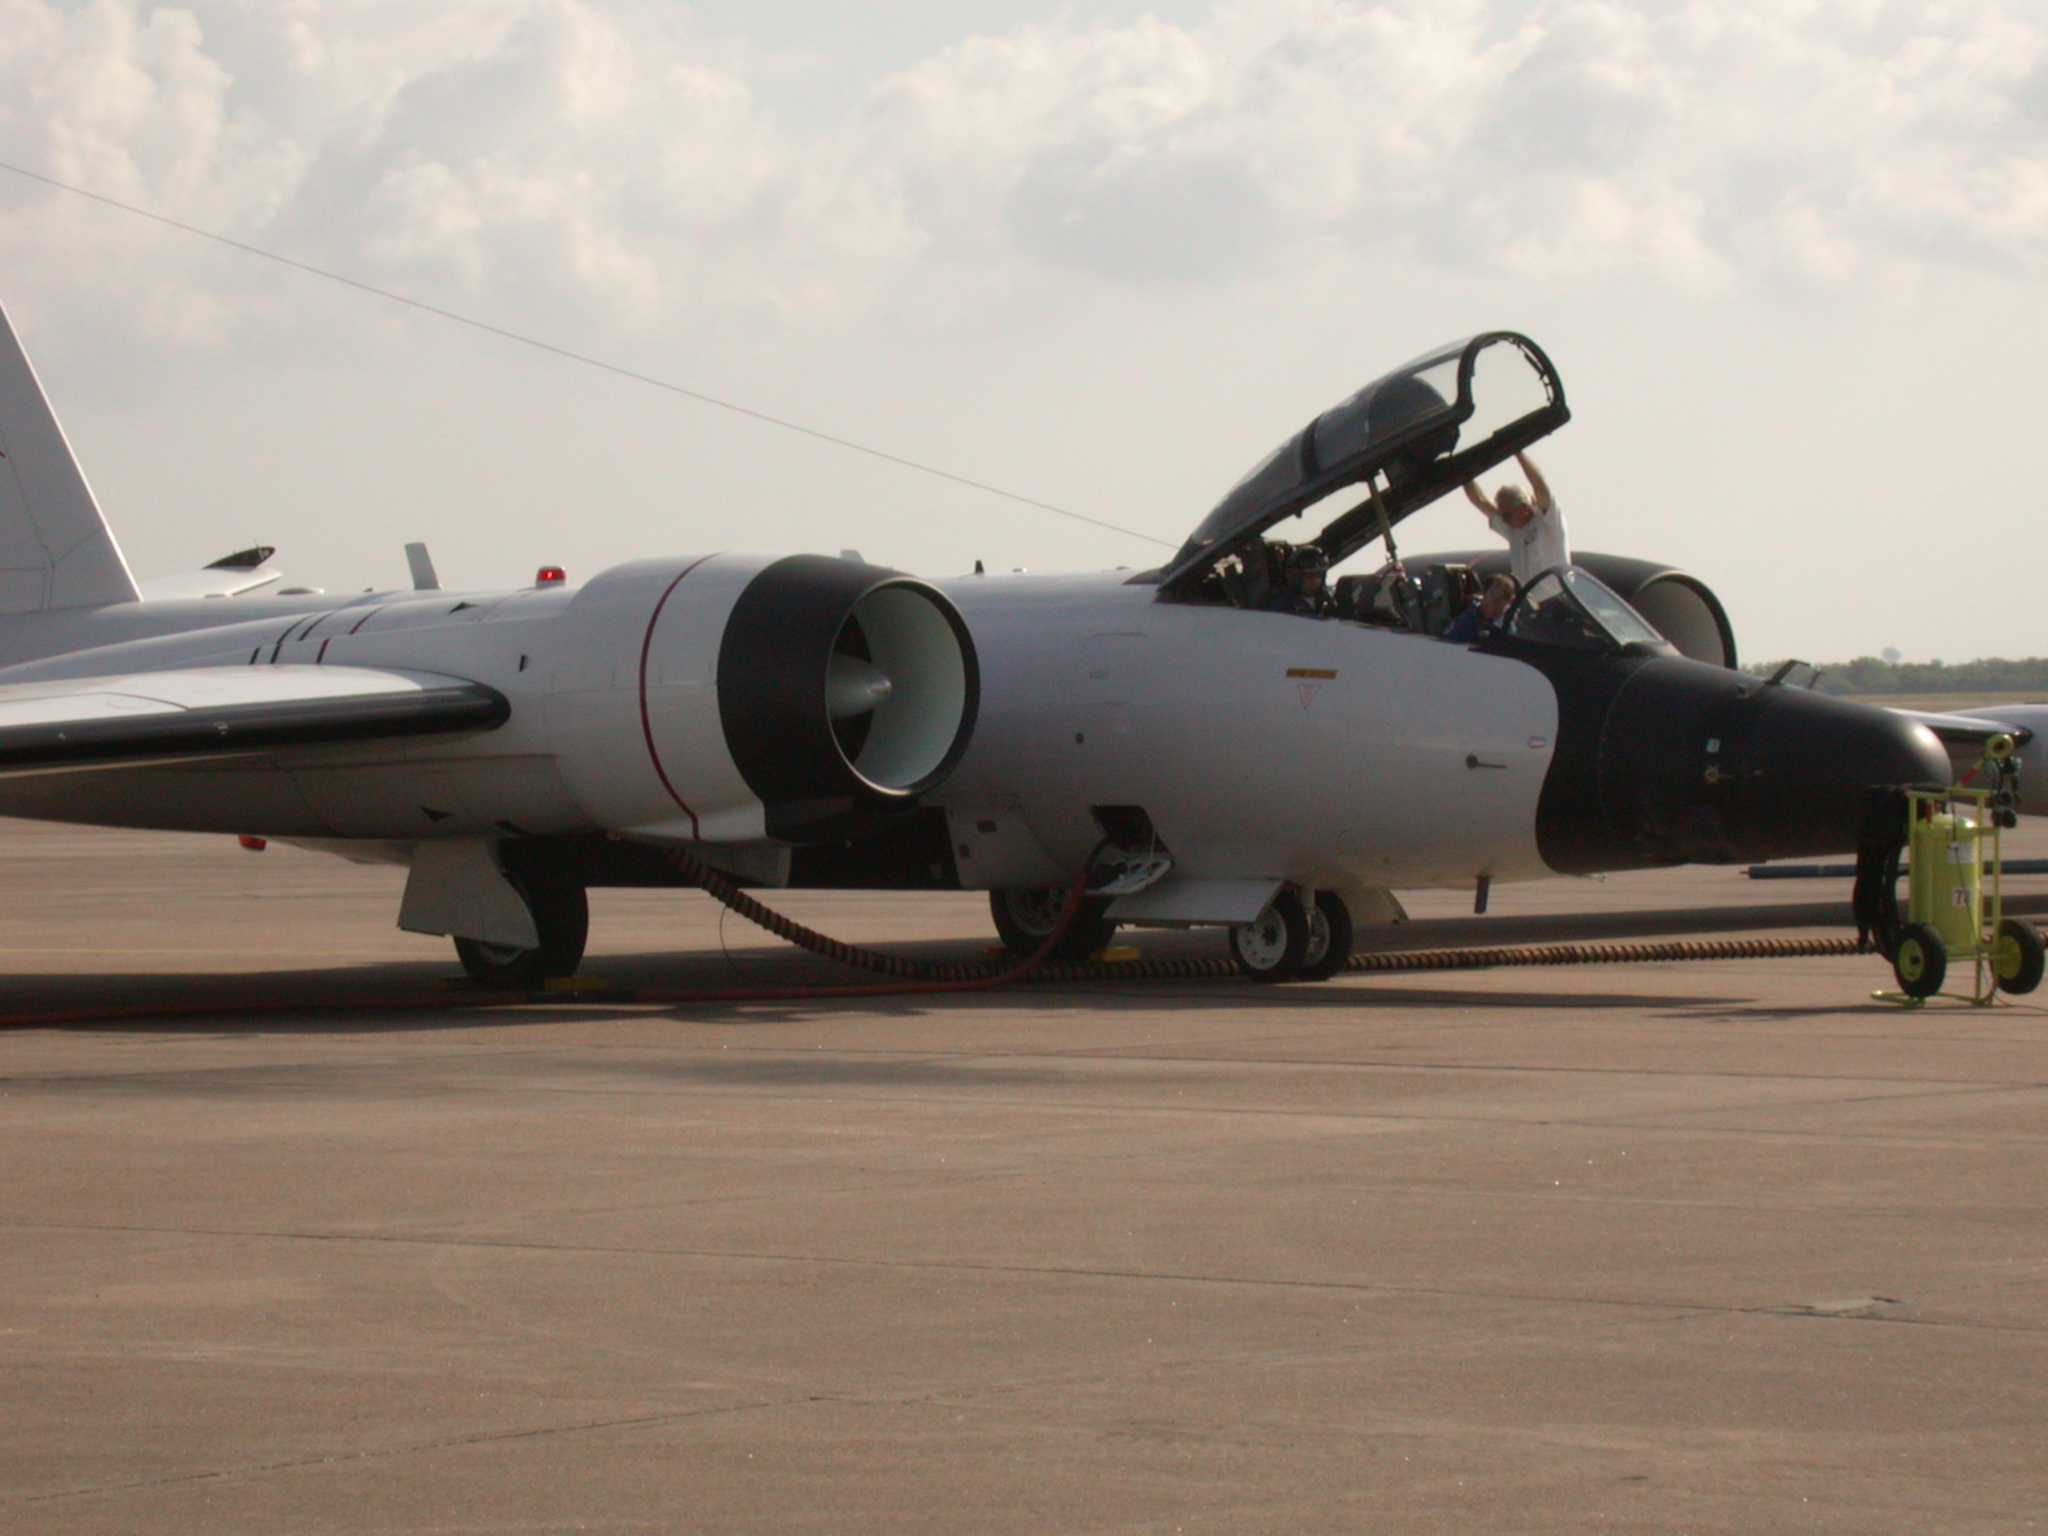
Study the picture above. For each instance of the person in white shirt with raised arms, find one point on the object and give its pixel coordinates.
(1531, 523)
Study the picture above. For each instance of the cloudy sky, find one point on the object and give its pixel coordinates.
(1789, 256)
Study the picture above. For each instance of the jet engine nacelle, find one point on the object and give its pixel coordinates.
(1680, 607)
(736, 697)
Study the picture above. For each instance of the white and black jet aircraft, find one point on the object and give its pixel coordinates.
(805, 721)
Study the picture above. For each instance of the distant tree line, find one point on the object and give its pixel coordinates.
(1872, 674)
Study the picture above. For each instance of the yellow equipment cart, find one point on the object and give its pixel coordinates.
(1955, 905)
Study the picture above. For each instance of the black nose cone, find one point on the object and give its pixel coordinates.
(1696, 764)
(1798, 783)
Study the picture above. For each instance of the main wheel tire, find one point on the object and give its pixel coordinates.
(1920, 961)
(561, 915)
(1272, 948)
(1329, 937)
(2018, 956)
(1025, 917)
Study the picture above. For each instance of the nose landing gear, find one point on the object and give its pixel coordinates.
(1329, 937)
(1274, 945)
(1294, 940)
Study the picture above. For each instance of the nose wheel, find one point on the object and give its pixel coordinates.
(561, 916)
(1275, 946)
(1295, 940)
(1329, 937)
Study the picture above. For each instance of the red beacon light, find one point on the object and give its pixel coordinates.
(550, 576)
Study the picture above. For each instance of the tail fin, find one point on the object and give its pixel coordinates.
(55, 548)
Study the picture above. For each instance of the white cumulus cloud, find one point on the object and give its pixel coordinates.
(605, 158)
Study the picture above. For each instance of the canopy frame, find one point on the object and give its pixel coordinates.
(1405, 465)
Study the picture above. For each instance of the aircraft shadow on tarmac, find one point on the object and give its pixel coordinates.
(1919, 1020)
(329, 997)
(845, 1072)
(327, 1003)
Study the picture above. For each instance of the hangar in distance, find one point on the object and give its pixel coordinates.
(798, 720)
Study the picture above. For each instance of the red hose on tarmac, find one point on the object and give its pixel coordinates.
(956, 978)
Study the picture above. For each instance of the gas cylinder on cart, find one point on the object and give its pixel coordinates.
(1947, 885)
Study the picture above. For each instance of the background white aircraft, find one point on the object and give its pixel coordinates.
(809, 721)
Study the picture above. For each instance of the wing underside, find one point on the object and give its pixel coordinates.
(1966, 730)
(213, 713)
(1965, 735)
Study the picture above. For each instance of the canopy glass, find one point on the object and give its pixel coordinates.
(1399, 436)
(1570, 608)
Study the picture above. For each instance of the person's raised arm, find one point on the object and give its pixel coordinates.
(1536, 481)
(1478, 498)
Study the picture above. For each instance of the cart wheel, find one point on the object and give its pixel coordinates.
(1920, 961)
(2017, 956)
(1272, 948)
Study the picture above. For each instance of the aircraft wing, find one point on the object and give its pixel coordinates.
(1965, 734)
(210, 582)
(246, 570)
(1967, 730)
(218, 712)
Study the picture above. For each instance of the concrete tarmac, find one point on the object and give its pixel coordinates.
(1717, 1247)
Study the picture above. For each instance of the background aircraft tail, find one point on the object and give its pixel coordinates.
(55, 549)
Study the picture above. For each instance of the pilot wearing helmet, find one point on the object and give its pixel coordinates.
(1302, 585)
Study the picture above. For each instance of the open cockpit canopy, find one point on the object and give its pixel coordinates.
(1399, 437)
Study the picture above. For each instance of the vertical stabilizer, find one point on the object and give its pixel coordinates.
(55, 548)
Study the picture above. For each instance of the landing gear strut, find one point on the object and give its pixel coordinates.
(561, 915)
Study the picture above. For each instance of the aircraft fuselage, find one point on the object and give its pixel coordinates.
(1253, 745)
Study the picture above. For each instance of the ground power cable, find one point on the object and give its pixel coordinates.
(723, 888)
(583, 357)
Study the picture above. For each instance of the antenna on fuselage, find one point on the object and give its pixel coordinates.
(423, 577)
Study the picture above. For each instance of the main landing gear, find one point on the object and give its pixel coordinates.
(1024, 918)
(1295, 940)
(561, 915)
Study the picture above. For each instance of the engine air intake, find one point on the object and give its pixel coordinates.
(843, 687)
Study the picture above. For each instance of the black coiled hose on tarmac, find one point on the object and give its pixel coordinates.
(925, 973)
(914, 976)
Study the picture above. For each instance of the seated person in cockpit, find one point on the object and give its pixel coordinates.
(1483, 617)
(1300, 588)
